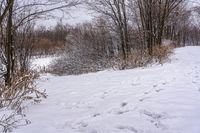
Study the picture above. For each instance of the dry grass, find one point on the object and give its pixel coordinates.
(12, 97)
(161, 53)
(11, 121)
(22, 88)
(141, 58)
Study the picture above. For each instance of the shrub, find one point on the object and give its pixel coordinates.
(79, 63)
(10, 121)
(161, 53)
(12, 97)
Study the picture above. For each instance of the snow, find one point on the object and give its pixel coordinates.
(159, 99)
(41, 63)
(166, 42)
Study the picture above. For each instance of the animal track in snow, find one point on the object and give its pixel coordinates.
(155, 118)
(154, 86)
(96, 115)
(159, 90)
(146, 92)
(123, 112)
(143, 99)
(164, 83)
(82, 124)
(124, 104)
(129, 128)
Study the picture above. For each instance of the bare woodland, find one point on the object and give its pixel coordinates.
(125, 34)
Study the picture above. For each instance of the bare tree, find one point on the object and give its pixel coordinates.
(116, 12)
(16, 13)
(4, 8)
(153, 16)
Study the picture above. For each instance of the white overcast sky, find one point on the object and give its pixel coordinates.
(76, 15)
(79, 14)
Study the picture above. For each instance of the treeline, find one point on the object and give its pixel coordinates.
(18, 42)
(124, 34)
(128, 31)
(131, 31)
(169, 20)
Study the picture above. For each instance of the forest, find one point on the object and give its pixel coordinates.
(122, 35)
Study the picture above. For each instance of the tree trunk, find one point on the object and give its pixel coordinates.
(8, 46)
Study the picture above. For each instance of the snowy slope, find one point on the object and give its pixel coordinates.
(159, 99)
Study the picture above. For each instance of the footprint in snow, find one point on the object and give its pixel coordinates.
(143, 99)
(104, 95)
(129, 128)
(152, 115)
(154, 86)
(122, 112)
(118, 111)
(164, 83)
(124, 104)
(82, 124)
(159, 90)
(84, 127)
(155, 118)
(96, 115)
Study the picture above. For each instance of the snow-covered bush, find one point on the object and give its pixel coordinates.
(79, 64)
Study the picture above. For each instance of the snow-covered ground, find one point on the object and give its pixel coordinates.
(158, 99)
(42, 63)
